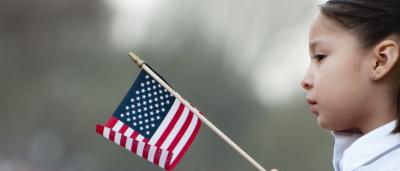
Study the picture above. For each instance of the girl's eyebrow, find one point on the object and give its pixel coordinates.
(313, 44)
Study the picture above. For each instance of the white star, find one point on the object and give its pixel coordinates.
(142, 84)
(143, 97)
(150, 101)
(162, 103)
(133, 112)
(159, 91)
(138, 104)
(146, 121)
(147, 77)
(127, 107)
(156, 105)
(145, 108)
(147, 82)
(166, 96)
(152, 125)
(147, 126)
(143, 90)
(167, 102)
(139, 110)
(122, 115)
(147, 132)
(148, 88)
(161, 97)
(134, 117)
(137, 98)
(153, 81)
(158, 117)
(134, 123)
(141, 128)
(154, 87)
(152, 119)
(140, 117)
(133, 106)
(165, 90)
(155, 93)
(140, 122)
(158, 85)
(132, 100)
(127, 113)
(156, 99)
(137, 92)
(128, 119)
(163, 109)
(151, 113)
(151, 107)
(144, 103)
(157, 111)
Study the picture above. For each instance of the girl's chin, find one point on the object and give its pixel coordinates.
(323, 124)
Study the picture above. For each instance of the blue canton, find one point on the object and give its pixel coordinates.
(145, 105)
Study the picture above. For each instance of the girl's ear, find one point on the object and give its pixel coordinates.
(386, 55)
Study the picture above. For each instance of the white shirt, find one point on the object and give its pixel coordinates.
(378, 150)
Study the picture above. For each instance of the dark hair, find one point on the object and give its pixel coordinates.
(370, 20)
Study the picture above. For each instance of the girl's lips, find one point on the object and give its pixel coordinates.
(314, 109)
(313, 106)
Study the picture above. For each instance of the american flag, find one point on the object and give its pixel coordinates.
(152, 123)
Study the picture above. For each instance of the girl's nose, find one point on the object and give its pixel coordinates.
(306, 83)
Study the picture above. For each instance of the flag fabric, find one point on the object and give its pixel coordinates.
(152, 123)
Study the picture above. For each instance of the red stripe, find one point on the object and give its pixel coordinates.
(146, 150)
(170, 125)
(168, 162)
(181, 132)
(134, 135)
(123, 129)
(99, 129)
(123, 141)
(111, 122)
(112, 135)
(157, 156)
(187, 145)
(134, 146)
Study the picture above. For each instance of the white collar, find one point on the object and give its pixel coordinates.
(353, 150)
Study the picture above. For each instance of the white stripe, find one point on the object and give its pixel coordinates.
(163, 158)
(140, 149)
(117, 138)
(128, 132)
(139, 137)
(128, 144)
(106, 132)
(185, 138)
(171, 136)
(152, 152)
(165, 122)
(117, 126)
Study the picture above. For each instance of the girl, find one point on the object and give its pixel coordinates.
(353, 81)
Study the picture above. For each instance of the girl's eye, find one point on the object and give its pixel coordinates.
(319, 57)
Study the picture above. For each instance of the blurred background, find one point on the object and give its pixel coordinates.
(64, 68)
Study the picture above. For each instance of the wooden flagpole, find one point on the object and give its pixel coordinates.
(142, 65)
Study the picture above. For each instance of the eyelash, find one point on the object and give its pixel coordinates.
(319, 57)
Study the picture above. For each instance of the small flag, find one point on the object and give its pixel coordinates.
(152, 123)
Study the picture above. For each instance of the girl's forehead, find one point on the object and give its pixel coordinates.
(324, 29)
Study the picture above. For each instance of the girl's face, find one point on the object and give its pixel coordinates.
(337, 80)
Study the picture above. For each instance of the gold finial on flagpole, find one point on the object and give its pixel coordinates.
(136, 59)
